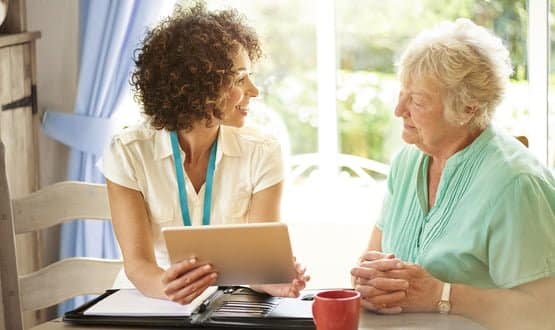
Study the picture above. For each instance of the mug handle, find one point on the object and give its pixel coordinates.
(314, 311)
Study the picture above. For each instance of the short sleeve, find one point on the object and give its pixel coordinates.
(268, 165)
(117, 166)
(380, 223)
(521, 234)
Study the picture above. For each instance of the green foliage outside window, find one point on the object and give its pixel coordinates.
(370, 35)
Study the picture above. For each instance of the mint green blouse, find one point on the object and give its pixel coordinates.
(493, 221)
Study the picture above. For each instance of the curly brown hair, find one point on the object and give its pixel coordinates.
(185, 62)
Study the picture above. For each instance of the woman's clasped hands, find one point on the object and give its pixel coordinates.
(389, 286)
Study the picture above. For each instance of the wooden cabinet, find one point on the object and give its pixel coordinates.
(18, 109)
(18, 125)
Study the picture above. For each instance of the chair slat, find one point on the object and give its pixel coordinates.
(65, 279)
(41, 209)
(8, 263)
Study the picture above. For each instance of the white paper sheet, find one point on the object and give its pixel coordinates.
(130, 302)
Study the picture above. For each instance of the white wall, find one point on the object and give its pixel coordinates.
(57, 58)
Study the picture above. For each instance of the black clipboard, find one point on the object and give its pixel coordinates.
(234, 307)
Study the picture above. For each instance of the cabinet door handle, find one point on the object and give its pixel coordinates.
(26, 101)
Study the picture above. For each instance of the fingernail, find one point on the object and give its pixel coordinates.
(214, 275)
(192, 260)
(206, 267)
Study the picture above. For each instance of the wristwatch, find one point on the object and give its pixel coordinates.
(443, 305)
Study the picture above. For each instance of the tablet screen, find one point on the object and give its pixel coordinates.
(241, 254)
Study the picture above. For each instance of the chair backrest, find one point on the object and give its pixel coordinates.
(303, 164)
(61, 280)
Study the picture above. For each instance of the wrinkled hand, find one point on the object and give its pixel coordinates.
(391, 286)
(372, 255)
(186, 280)
(366, 261)
(379, 292)
(291, 290)
(424, 290)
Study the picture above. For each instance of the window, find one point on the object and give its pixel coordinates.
(551, 97)
(328, 89)
(353, 46)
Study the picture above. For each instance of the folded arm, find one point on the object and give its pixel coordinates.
(526, 306)
(390, 285)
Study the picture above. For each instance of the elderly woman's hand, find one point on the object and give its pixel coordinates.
(367, 257)
(291, 290)
(372, 255)
(424, 290)
(392, 286)
(379, 292)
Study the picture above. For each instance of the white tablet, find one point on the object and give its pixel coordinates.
(241, 254)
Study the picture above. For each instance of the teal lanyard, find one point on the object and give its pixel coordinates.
(181, 181)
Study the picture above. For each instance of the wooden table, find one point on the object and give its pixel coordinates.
(368, 321)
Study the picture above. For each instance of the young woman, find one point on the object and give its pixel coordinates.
(184, 167)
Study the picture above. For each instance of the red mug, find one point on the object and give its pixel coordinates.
(336, 310)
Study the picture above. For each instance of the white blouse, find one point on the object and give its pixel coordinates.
(140, 158)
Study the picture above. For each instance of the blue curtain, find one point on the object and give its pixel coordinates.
(109, 32)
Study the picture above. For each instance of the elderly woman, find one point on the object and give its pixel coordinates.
(468, 224)
(183, 167)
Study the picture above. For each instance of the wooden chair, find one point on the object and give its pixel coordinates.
(61, 280)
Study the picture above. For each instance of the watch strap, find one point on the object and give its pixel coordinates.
(444, 304)
(446, 292)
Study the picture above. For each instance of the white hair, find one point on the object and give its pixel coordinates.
(470, 63)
